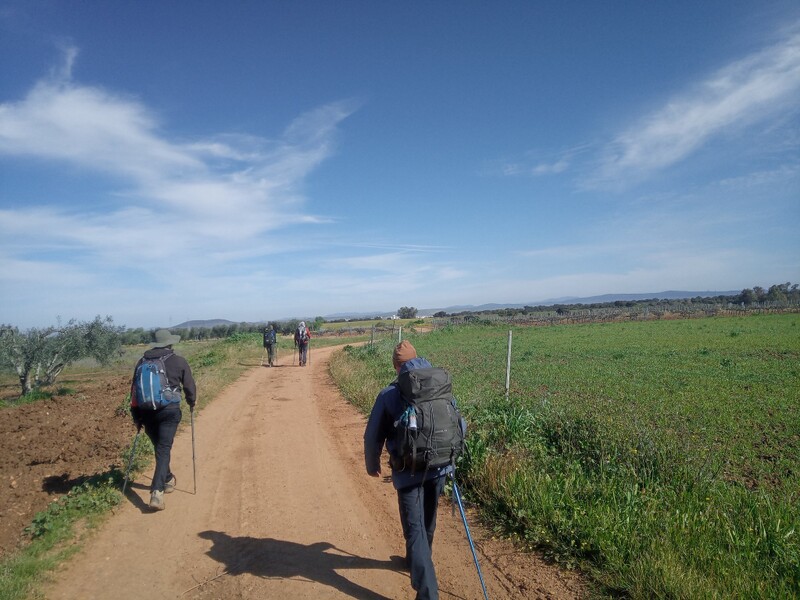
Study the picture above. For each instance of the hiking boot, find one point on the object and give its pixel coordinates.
(157, 500)
(169, 486)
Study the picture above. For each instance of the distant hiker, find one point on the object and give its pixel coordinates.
(301, 337)
(269, 343)
(158, 379)
(418, 468)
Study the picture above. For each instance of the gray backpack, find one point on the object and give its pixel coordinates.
(430, 432)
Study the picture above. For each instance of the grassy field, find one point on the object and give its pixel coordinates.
(383, 324)
(661, 457)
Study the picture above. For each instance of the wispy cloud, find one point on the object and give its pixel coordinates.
(532, 163)
(216, 194)
(742, 93)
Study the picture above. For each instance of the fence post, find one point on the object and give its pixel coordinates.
(372, 336)
(508, 365)
(399, 334)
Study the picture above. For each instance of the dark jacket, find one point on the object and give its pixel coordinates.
(179, 375)
(388, 407)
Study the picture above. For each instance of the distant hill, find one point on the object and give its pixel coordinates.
(202, 323)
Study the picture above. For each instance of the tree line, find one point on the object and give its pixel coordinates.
(781, 293)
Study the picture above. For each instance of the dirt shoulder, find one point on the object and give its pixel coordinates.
(283, 509)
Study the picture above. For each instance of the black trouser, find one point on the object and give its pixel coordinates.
(160, 426)
(418, 506)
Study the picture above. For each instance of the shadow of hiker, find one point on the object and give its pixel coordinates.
(271, 558)
(135, 499)
(61, 484)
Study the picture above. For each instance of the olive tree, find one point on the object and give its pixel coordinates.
(39, 355)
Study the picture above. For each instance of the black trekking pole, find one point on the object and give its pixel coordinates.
(130, 460)
(194, 464)
(457, 494)
(293, 355)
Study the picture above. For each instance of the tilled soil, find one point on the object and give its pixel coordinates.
(48, 446)
(283, 509)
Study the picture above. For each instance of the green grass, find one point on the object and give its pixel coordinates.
(367, 324)
(661, 457)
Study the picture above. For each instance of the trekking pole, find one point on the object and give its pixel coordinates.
(293, 356)
(262, 357)
(457, 494)
(194, 463)
(130, 460)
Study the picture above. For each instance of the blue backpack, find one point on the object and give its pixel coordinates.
(151, 386)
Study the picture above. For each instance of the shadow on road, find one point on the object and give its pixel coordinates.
(271, 558)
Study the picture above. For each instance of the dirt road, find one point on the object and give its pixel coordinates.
(283, 509)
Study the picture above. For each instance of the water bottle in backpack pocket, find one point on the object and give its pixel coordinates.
(151, 389)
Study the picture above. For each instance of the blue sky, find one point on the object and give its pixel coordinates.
(165, 161)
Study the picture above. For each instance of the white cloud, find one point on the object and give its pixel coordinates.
(546, 169)
(208, 199)
(744, 92)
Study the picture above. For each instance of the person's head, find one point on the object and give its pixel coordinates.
(403, 352)
(165, 339)
(302, 325)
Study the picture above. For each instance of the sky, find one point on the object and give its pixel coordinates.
(252, 161)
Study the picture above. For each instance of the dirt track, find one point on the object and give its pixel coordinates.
(284, 509)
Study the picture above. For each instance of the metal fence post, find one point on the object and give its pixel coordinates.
(508, 365)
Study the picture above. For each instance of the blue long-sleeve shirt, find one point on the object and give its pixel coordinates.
(388, 407)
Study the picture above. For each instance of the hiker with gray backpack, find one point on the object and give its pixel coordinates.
(302, 336)
(158, 379)
(416, 417)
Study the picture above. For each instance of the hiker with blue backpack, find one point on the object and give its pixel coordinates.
(158, 379)
(421, 456)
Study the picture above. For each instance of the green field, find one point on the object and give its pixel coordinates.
(660, 457)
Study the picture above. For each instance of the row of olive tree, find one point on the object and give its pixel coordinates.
(38, 356)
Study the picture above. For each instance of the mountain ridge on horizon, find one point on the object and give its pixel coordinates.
(425, 312)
